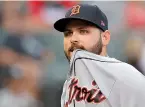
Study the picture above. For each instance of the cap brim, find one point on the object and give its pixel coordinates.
(61, 24)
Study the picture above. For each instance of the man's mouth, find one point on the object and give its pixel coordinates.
(72, 49)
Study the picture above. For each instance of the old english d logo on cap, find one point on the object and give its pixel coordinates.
(75, 10)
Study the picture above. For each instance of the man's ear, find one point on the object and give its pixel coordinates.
(105, 37)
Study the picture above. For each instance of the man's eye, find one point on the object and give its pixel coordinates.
(67, 34)
(83, 31)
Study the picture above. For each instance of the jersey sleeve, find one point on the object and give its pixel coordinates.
(96, 67)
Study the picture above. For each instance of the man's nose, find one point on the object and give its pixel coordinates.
(74, 38)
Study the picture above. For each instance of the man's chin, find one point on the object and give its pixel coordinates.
(69, 55)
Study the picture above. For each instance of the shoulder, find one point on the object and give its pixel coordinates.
(112, 62)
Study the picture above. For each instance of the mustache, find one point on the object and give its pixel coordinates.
(75, 46)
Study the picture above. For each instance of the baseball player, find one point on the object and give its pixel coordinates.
(95, 79)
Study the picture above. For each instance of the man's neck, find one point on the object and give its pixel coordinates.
(104, 52)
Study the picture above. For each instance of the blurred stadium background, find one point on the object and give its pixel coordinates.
(33, 67)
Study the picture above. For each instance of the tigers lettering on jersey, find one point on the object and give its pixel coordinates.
(78, 93)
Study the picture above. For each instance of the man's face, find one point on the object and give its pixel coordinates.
(81, 35)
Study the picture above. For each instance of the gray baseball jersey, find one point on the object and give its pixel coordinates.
(97, 81)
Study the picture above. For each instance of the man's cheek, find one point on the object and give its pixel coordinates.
(65, 46)
(88, 48)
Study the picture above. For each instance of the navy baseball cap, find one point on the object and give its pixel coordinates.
(89, 13)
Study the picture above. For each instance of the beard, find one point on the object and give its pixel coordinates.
(96, 49)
